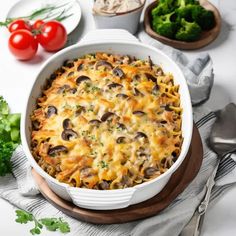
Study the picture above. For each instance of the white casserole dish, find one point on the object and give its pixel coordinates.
(110, 41)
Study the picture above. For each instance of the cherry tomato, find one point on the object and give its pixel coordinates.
(23, 44)
(53, 36)
(19, 24)
(37, 24)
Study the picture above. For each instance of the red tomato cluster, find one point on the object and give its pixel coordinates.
(24, 39)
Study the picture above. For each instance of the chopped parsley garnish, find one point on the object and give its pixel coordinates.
(103, 164)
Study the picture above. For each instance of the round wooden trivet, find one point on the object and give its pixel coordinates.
(177, 183)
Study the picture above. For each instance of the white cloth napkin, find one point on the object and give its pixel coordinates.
(21, 191)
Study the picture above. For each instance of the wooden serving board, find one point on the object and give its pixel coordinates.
(206, 36)
(177, 183)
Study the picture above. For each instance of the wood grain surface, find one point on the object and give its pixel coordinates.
(177, 183)
(206, 36)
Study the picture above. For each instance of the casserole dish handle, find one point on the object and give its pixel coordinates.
(106, 35)
(98, 200)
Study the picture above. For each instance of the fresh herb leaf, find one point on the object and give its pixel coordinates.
(51, 224)
(4, 109)
(9, 136)
(23, 217)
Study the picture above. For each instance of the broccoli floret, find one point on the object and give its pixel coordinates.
(189, 31)
(183, 3)
(165, 26)
(163, 7)
(185, 12)
(203, 17)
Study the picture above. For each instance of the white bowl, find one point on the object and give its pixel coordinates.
(125, 20)
(108, 199)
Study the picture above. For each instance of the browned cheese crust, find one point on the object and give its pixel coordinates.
(107, 121)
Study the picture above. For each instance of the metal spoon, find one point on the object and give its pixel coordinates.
(222, 140)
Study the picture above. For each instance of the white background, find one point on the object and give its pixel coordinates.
(17, 77)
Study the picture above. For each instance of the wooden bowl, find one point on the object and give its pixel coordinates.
(206, 36)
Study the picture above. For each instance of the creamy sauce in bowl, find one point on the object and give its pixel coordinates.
(115, 6)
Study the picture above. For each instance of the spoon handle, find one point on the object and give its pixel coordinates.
(193, 228)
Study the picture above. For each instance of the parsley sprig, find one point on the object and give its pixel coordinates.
(51, 224)
(9, 136)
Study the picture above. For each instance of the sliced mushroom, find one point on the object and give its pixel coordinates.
(71, 74)
(73, 90)
(163, 161)
(61, 70)
(126, 181)
(80, 67)
(121, 126)
(63, 88)
(140, 135)
(67, 134)
(36, 125)
(155, 89)
(174, 156)
(126, 60)
(163, 122)
(150, 62)
(122, 95)
(106, 116)
(53, 76)
(138, 180)
(151, 77)
(103, 63)
(81, 79)
(136, 77)
(79, 110)
(86, 172)
(149, 171)
(142, 154)
(159, 72)
(114, 85)
(56, 150)
(68, 63)
(34, 143)
(167, 108)
(118, 72)
(137, 92)
(104, 185)
(95, 122)
(66, 124)
(139, 113)
(51, 110)
(120, 140)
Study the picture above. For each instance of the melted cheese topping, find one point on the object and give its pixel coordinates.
(106, 122)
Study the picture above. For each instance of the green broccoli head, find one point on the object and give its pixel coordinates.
(163, 7)
(203, 17)
(185, 12)
(189, 31)
(183, 3)
(165, 25)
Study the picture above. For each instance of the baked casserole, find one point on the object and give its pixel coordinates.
(107, 121)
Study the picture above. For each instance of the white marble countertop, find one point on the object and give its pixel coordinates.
(17, 77)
